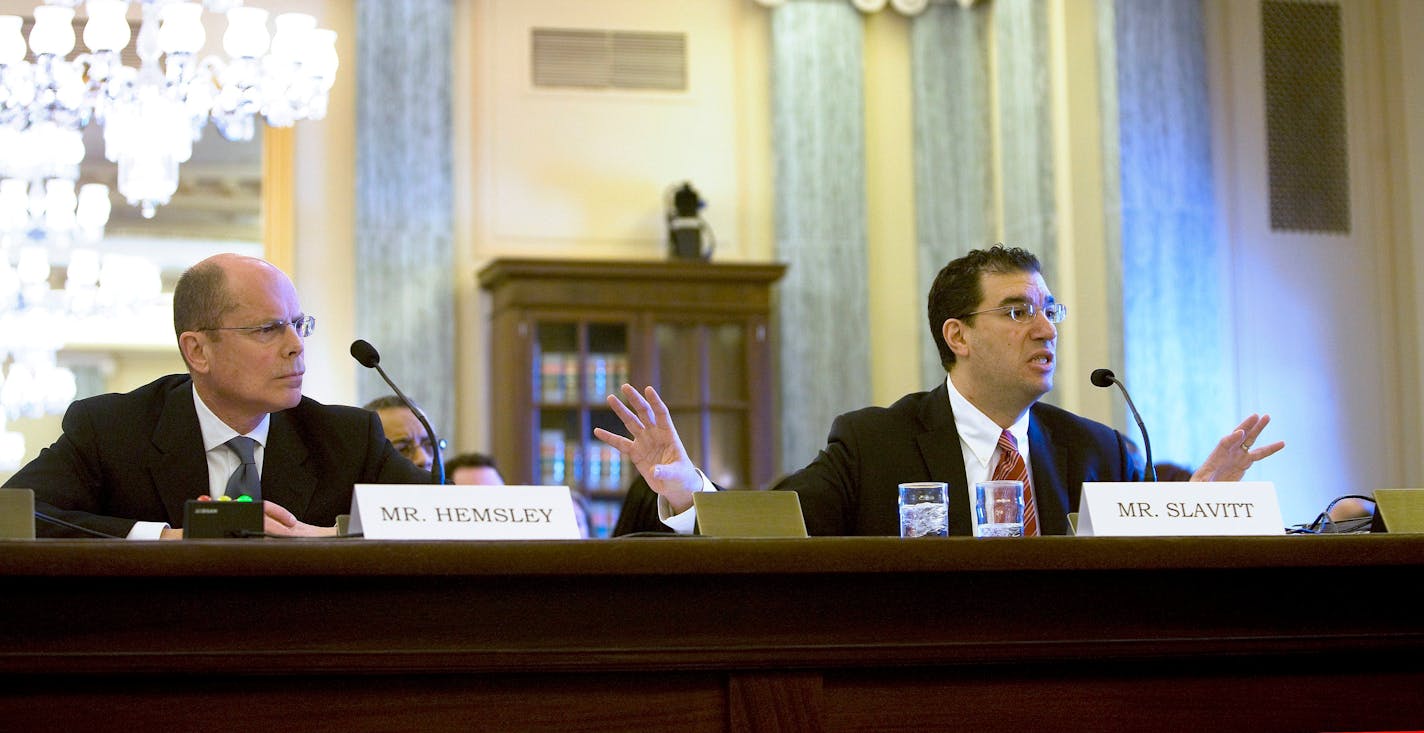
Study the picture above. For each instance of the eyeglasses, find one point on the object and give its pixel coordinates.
(269, 331)
(406, 446)
(1024, 312)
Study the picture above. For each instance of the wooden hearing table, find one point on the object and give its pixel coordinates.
(701, 634)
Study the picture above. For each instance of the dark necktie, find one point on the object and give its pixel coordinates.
(246, 479)
(1011, 467)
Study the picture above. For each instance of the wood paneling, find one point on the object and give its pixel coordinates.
(1052, 633)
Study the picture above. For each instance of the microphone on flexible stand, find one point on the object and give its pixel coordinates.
(367, 355)
(1105, 377)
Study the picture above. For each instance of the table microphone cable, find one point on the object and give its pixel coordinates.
(243, 534)
(69, 525)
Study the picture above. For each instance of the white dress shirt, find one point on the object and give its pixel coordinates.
(222, 461)
(978, 442)
(979, 439)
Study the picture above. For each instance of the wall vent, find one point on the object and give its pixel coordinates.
(600, 59)
(1306, 154)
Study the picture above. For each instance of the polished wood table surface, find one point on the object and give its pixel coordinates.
(1274, 633)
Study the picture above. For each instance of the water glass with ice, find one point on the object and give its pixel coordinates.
(998, 508)
(924, 509)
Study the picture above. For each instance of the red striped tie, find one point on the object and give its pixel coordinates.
(1011, 468)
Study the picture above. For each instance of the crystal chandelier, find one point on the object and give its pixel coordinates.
(36, 320)
(151, 115)
(36, 221)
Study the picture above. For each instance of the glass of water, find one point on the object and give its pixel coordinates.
(924, 509)
(998, 508)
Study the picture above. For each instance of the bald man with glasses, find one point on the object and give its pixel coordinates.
(995, 323)
(235, 424)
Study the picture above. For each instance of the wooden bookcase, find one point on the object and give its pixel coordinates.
(564, 334)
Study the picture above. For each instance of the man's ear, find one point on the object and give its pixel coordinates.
(955, 334)
(194, 348)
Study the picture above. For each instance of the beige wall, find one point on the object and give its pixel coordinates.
(1402, 58)
(896, 305)
(896, 310)
(133, 349)
(533, 179)
(324, 172)
(1085, 273)
(1328, 325)
(583, 174)
(561, 174)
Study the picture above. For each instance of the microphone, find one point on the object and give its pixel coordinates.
(1105, 377)
(367, 355)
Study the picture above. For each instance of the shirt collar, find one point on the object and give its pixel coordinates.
(216, 432)
(977, 431)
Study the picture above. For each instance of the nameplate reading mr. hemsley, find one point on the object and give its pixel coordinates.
(1179, 509)
(420, 512)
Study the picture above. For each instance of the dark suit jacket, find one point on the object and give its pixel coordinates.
(139, 456)
(852, 486)
(640, 511)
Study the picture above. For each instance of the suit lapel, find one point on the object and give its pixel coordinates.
(285, 478)
(176, 460)
(944, 459)
(1046, 455)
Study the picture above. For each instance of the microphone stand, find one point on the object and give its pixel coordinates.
(367, 355)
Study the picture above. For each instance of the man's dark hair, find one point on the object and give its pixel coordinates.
(468, 460)
(383, 403)
(201, 298)
(957, 289)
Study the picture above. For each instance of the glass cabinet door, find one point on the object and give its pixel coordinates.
(577, 365)
(583, 328)
(702, 370)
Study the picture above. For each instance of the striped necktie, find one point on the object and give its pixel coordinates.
(1011, 467)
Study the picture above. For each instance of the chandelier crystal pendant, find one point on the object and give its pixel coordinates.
(51, 88)
(151, 115)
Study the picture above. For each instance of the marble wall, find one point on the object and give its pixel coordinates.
(404, 202)
(818, 137)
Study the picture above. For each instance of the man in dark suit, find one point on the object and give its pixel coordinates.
(405, 431)
(126, 463)
(994, 322)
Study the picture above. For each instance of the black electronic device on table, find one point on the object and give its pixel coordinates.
(221, 519)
